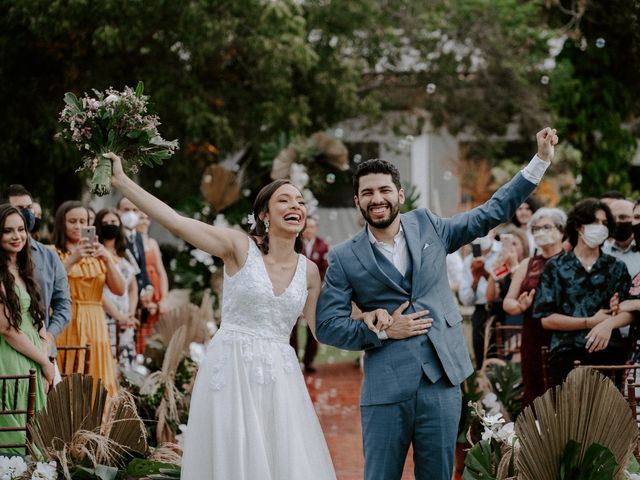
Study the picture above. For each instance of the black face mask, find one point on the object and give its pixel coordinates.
(623, 231)
(109, 232)
(37, 222)
(636, 235)
(29, 217)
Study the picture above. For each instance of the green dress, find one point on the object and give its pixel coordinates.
(12, 363)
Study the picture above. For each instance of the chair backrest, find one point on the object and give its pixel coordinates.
(12, 403)
(626, 379)
(74, 359)
(544, 354)
(508, 340)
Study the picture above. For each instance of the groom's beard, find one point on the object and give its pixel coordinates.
(394, 209)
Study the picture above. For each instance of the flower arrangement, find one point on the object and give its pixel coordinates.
(14, 468)
(118, 122)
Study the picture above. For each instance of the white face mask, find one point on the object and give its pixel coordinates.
(594, 234)
(130, 220)
(543, 238)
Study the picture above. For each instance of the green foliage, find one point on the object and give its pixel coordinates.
(234, 74)
(506, 383)
(145, 468)
(598, 463)
(479, 462)
(482, 461)
(596, 94)
(412, 197)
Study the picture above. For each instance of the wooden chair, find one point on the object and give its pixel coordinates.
(546, 380)
(508, 340)
(69, 360)
(12, 406)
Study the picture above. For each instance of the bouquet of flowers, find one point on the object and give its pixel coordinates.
(117, 122)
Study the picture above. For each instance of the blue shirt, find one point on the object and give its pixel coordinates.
(54, 287)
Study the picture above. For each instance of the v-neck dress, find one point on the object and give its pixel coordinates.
(251, 416)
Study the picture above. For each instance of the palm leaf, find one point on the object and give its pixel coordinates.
(588, 409)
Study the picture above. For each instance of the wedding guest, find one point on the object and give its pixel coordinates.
(514, 249)
(547, 226)
(523, 216)
(157, 276)
(89, 267)
(92, 216)
(130, 217)
(574, 292)
(120, 310)
(23, 343)
(48, 270)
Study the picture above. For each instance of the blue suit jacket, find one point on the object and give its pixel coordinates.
(393, 368)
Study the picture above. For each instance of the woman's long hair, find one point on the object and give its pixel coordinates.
(261, 206)
(9, 298)
(60, 226)
(121, 241)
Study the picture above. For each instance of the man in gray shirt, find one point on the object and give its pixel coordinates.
(49, 271)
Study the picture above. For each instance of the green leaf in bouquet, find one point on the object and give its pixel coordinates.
(73, 101)
(135, 134)
(139, 89)
(111, 137)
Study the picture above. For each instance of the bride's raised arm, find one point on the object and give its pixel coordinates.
(226, 243)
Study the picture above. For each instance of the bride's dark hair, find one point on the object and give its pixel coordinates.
(261, 206)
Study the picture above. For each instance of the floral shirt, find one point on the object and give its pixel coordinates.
(568, 289)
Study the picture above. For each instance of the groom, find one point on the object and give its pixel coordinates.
(411, 388)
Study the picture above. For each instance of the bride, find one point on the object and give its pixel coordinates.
(251, 417)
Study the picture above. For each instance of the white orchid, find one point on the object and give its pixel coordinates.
(631, 476)
(45, 471)
(111, 98)
(12, 467)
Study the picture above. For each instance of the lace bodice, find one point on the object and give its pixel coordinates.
(249, 304)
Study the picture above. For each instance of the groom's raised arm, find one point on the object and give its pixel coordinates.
(465, 227)
(334, 325)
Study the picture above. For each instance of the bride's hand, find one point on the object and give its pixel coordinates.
(116, 165)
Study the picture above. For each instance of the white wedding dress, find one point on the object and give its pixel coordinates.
(251, 417)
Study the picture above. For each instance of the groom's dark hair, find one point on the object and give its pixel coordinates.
(375, 165)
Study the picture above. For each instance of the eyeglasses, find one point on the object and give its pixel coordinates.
(543, 228)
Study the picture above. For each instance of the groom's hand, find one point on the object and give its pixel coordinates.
(377, 320)
(411, 325)
(547, 140)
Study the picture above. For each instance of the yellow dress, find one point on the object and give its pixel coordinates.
(88, 323)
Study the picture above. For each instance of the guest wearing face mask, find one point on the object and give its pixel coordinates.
(574, 293)
(89, 268)
(473, 287)
(623, 245)
(547, 226)
(130, 217)
(49, 272)
(632, 304)
(120, 309)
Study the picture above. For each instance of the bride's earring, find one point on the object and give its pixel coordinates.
(266, 225)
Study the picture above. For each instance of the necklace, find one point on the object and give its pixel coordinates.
(587, 266)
